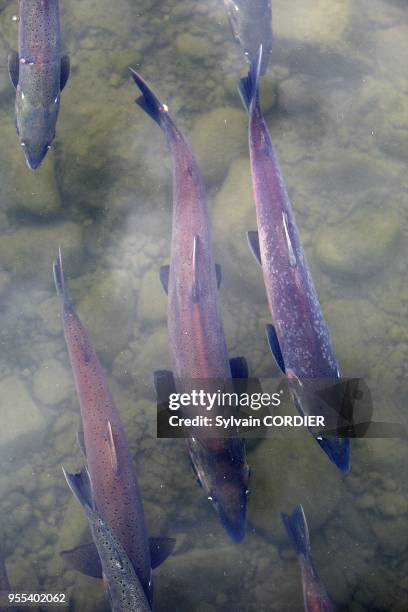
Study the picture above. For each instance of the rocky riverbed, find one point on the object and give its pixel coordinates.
(336, 103)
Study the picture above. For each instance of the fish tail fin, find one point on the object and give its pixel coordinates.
(150, 103)
(59, 278)
(249, 86)
(298, 532)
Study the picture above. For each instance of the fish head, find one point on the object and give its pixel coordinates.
(35, 128)
(224, 477)
(321, 398)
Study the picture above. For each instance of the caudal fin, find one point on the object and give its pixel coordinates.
(149, 101)
(298, 531)
(249, 85)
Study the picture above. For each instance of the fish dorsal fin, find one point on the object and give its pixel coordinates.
(195, 291)
(275, 347)
(291, 252)
(253, 242)
(112, 449)
(14, 67)
(65, 70)
(164, 278)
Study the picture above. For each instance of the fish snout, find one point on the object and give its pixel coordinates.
(231, 505)
(34, 154)
(338, 450)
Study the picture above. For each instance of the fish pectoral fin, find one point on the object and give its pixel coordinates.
(164, 278)
(160, 549)
(80, 485)
(14, 67)
(164, 385)
(84, 559)
(253, 242)
(274, 347)
(65, 70)
(218, 274)
(112, 449)
(239, 367)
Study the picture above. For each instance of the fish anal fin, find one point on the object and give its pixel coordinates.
(164, 277)
(65, 70)
(253, 242)
(160, 549)
(112, 449)
(84, 559)
(275, 347)
(14, 67)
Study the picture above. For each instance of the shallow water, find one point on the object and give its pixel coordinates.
(335, 99)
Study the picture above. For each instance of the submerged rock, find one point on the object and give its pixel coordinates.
(30, 251)
(287, 471)
(312, 22)
(234, 214)
(222, 568)
(152, 302)
(297, 95)
(24, 425)
(344, 320)
(196, 47)
(52, 383)
(108, 312)
(217, 138)
(361, 246)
